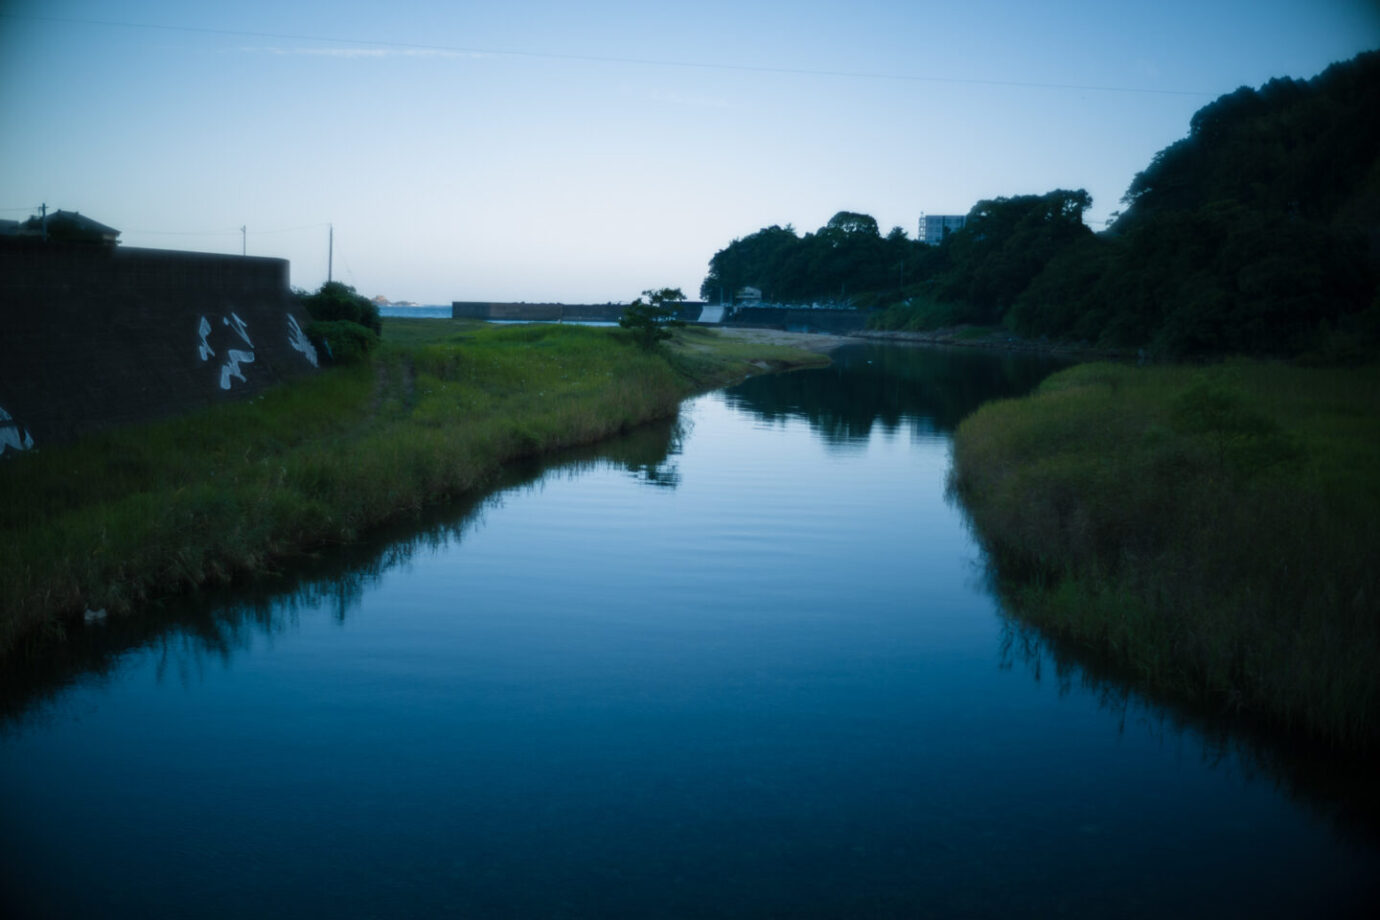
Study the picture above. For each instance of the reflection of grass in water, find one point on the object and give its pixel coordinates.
(1213, 530)
(1340, 787)
(933, 387)
(125, 516)
(188, 634)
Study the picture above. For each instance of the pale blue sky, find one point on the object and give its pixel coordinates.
(585, 151)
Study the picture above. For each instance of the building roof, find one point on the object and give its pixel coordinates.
(69, 225)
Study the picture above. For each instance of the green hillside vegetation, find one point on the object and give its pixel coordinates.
(125, 517)
(1258, 233)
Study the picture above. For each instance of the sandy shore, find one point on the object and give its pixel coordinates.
(810, 341)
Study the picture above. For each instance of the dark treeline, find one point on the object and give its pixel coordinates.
(1257, 233)
(846, 259)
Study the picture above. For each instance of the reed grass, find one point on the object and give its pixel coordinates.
(120, 518)
(1213, 531)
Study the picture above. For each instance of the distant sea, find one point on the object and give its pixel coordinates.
(428, 310)
(442, 311)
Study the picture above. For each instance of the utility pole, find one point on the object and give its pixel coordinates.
(244, 241)
(43, 209)
(330, 254)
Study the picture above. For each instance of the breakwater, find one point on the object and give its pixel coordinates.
(799, 319)
(97, 336)
(688, 311)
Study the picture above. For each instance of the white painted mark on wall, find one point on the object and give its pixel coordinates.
(298, 340)
(237, 324)
(234, 357)
(13, 436)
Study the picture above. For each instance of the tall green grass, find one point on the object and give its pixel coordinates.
(122, 517)
(1215, 531)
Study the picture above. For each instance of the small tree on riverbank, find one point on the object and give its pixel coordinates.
(651, 320)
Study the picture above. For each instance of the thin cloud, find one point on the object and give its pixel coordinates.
(366, 52)
(403, 49)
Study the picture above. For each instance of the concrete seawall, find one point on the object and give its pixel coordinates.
(556, 312)
(801, 319)
(97, 336)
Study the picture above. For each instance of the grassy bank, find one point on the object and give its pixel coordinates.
(123, 517)
(1212, 530)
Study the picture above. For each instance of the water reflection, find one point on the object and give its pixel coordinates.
(1340, 788)
(765, 681)
(866, 386)
(188, 634)
(650, 453)
(933, 389)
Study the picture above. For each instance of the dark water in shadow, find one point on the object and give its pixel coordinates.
(745, 663)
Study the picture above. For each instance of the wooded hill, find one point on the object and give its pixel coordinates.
(1258, 233)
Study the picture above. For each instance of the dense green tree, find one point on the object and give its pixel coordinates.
(1221, 278)
(758, 260)
(1295, 147)
(1063, 299)
(1004, 244)
(846, 257)
(846, 224)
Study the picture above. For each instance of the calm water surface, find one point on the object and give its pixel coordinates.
(745, 665)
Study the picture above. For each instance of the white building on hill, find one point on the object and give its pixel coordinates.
(934, 227)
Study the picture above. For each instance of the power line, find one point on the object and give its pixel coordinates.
(228, 230)
(606, 59)
(316, 226)
(225, 232)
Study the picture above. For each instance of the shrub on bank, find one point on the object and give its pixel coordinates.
(336, 302)
(341, 341)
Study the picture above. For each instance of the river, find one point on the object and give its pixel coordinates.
(744, 663)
